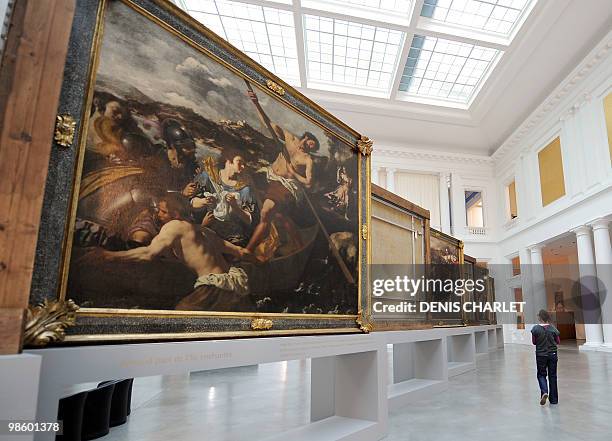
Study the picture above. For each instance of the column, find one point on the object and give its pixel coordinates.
(603, 259)
(527, 288)
(588, 280)
(538, 279)
(391, 180)
(374, 174)
(457, 215)
(444, 203)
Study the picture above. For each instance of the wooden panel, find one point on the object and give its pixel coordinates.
(11, 333)
(30, 82)
(552, 182)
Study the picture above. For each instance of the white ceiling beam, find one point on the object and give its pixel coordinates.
(268, 4)
(427, 27)
(299, 41)
(368, 21)
(399, 70)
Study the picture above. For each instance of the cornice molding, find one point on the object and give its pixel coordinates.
(389, 152)
(567, 86)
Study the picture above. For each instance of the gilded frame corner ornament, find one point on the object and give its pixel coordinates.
(274, 87)
(261, 324)
(65, 129)
(365, 145)
(364, 324)
(46, 322)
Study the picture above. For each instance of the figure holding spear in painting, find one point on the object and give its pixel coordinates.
(288, 176)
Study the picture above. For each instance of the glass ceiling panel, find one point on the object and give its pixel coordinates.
(444, 69)
(496, 16)
(265, 34)
(351, 54)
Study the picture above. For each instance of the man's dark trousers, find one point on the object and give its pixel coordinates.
(547, 365)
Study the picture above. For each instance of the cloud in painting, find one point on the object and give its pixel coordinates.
(139, 56)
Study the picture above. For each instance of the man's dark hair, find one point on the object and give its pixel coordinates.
(544, 315)
(228, 154)
(176, 203)
(309, 135)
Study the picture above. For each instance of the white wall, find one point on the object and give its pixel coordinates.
(465, 172)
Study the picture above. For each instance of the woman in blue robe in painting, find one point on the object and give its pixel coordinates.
(223, 201)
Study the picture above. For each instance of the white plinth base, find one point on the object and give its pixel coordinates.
(348, 384)
(349, 393)
(19, 376)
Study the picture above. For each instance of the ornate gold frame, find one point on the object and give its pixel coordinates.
(261, 323)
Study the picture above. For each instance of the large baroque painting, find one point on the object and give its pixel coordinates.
(201, 191)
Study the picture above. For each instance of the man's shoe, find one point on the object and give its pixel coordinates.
(543, 399)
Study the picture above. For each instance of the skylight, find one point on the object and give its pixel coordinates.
(349, 53)
(445, 69)
(496, 16)
(441, 54)
(265, 34)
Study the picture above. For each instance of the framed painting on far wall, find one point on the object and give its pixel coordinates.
(202, 196)
(446, 264)
(399, 246)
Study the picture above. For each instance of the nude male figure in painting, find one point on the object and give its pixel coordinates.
(219, 285)
(289, 171)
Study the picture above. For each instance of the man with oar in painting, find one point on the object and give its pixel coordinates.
(288, 177)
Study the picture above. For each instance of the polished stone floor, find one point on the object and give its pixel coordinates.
(497, 402)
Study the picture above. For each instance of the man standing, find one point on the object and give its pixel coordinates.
(291, 169)
(545, 337)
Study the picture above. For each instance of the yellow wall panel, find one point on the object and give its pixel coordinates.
(608, 113)
(512, 198)
(552, 182)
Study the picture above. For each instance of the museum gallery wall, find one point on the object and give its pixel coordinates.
(201, 196)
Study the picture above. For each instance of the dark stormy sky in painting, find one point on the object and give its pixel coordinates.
(138, 54)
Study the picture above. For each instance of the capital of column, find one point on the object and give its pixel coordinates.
(536, 248)
(582, 230)
(391, 179)
(445, 178)
(600, 223)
